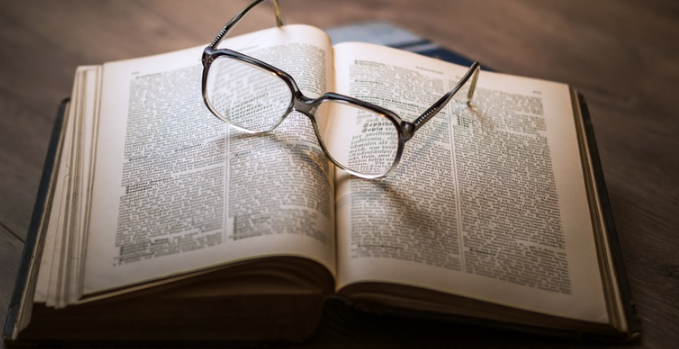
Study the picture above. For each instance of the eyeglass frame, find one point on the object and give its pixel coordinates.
(308, 106)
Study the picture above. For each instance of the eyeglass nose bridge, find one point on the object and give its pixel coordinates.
(304, 104)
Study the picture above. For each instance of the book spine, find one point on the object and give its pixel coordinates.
(609, 223)
(21, 283)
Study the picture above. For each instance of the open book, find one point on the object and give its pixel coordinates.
(161, 222)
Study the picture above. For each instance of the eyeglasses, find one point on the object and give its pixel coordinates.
(255, 97)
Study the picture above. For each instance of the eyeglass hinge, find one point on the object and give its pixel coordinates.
(207, 58)
(408, 130)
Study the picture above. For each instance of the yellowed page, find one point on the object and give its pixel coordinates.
(177, 190)
(63, 241)
(51, 242)
(488, 202)
(82, 163)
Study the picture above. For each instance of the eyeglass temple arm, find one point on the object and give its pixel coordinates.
(232, 23)
(472, 73)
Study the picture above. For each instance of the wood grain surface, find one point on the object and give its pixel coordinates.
(622, 55)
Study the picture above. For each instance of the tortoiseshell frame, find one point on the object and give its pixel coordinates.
(308, 106)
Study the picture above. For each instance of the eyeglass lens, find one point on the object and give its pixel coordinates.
(246, 96)
(359, 139)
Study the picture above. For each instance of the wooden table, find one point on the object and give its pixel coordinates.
(622, 55)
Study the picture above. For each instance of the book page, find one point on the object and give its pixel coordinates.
(53, 232)
(63, 241)
(176, 190)
(488, 200)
